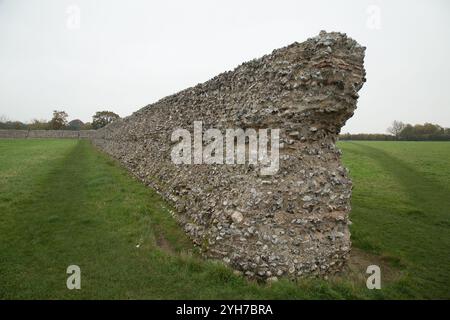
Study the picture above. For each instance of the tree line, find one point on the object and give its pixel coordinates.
(59, 122)
(405, 132)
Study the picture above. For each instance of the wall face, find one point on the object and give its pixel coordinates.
(13, 134)
(39, 134)
(291, 223)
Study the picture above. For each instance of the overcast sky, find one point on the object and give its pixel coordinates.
(123, 55)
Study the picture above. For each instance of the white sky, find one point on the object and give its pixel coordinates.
(127, 54)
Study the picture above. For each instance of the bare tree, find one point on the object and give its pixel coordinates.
(396, 128)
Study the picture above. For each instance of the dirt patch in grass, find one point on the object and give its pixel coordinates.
(390, 267)
(164, 244)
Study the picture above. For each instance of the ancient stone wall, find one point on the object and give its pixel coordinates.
(291, 223)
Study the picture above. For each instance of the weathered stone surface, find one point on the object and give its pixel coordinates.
(290, 224)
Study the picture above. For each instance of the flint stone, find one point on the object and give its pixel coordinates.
(237, 217)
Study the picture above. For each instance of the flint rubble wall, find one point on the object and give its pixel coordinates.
(292, 223)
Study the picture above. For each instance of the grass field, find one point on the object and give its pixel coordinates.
(62, 202)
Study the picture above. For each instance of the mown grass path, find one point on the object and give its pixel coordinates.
(62, 202)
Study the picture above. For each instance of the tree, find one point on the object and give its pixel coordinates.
(408, 132)
(87, 126)
(38, 125)
(76, 124)
(13, 125)
(396, 128)
(102, 118)
(59, 120)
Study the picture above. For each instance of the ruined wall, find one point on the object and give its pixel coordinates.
(54, 134)
(292, 223)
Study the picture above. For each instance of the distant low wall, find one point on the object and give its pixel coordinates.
(36, 134)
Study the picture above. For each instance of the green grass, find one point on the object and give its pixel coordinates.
(401, 209)
(62, 202)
